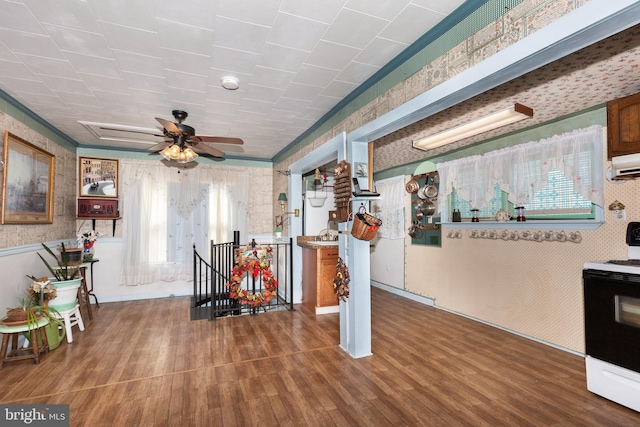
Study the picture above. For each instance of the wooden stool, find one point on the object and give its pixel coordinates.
(19, 353)
(83, 292)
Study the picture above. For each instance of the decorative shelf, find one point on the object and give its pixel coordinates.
(363, 197)
(101, 218)
(428, 226)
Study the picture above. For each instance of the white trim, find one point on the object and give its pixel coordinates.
(327, 310)
(422, 299)
(586, 224)
(34, 247)
(150, 295)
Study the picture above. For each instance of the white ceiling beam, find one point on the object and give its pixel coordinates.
(584, 26)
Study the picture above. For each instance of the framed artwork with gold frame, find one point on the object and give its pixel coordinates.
(27, 183)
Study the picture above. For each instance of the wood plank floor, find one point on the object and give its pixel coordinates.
(144, 363)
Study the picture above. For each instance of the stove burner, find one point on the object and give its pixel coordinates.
(633, 262)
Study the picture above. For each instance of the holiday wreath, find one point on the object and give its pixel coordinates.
(256, 262)
(341, 282)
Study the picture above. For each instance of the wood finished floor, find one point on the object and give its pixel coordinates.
(144, 363)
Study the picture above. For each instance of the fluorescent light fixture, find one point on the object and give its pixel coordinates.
(485, 124)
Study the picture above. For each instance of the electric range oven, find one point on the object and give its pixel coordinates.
(612, 324)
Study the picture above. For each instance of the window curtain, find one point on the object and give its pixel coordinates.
(472, 177)
(390, 207)
(167, 212)
(523, 170)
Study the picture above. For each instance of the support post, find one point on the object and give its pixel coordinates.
(355, 313)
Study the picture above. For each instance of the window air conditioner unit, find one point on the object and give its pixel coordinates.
(626, 167)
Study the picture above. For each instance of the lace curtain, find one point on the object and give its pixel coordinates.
(523, 170)
(167, 212)
(390, 208)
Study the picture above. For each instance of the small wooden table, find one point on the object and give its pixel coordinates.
(33, 352)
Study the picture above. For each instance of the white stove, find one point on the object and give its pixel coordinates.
(629, 265)
(612, 324)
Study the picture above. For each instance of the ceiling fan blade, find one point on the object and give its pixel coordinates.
(169, 126)
(159, 146)
(208, 150)
(218, 140)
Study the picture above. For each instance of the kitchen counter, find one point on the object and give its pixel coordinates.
(319, 260)
(310, 243)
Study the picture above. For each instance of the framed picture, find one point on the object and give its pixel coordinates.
(27, 183)
(98, 177)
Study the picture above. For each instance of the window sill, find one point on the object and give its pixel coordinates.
(588, 224)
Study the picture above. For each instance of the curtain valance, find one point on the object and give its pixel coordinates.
(523, 170)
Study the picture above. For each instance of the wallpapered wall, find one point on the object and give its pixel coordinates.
(534, 288)
(64, 192)
(15, 264)
(528, 287)
(516, 24)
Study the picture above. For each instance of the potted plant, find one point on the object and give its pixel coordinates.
(28, 312)
(22, 313)
(87, 240)
(35, 307)
(41, 291)
(66, 269)
(66, 279)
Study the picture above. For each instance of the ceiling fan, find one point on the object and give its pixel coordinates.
(182, 142)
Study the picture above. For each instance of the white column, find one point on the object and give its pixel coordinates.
(355, 313)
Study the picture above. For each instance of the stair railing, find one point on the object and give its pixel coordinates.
(211, 294)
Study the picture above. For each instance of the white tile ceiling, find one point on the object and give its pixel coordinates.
(125, 62)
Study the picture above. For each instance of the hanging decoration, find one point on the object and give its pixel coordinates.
(365, 226)
(341, 282)
(255, 260)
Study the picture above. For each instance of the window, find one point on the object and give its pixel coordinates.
(560, 178)
(499, 201)
(184, 229)
(557, 201)
(170, 212)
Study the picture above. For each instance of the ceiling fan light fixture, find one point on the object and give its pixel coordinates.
(189, 154)
(165, 153)
(182, 158)
(484, 124)
(179, 154)
(174, 152)
(179, 138)
(230, 82)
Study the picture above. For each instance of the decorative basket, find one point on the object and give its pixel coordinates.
(365, 226)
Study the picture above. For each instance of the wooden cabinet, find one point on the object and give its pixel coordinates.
(623, 126)
(318, 272)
